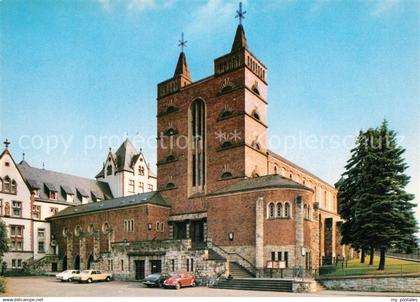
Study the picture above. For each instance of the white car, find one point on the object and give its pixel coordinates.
(67, 275)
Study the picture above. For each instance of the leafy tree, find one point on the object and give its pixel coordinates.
(4, 246)
(375, 205)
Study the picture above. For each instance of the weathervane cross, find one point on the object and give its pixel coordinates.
(240, 13)
(182, 43)
(6, 143)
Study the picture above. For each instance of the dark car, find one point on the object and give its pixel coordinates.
(155, 280)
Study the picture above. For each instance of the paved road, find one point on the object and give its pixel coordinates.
(49, 287)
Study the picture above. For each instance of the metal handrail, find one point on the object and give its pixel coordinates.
(236, 254)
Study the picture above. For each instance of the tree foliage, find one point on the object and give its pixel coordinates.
(377, 210)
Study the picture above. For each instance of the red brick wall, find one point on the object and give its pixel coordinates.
(236, 101)
(236, 213)
(142, 215)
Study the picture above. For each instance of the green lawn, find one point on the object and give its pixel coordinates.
(354, 267)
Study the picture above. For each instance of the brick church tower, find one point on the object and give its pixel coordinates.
(213, 131)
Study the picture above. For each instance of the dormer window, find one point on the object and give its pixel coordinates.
(82, 195)
(68, 193)
(70, 197)
(109, 170)
(36, 192)
(53, 195)
(51, 191)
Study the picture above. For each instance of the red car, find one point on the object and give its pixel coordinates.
(178, 280)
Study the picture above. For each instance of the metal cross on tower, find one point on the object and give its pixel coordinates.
(240, 13)
(182, 43)
(6, 143)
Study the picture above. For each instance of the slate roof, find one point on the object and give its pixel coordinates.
(182, 66)
(153, 197)
(258, 183)
(278, 156)
(45, 180)
(240, 40)
(125, 157)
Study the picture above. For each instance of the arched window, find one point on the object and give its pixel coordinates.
(91, 229)
(7, 184)
(65, 232)
(256, 115)
(226, 174)
(287, 210)
(105, 228)
(275, 170)
(14, 186)
(279, 210)
(271, 210)
(109, 170)
(170, 185)
(171, 109)
(77, 230)
(170, 158)
(226, 113)
(226, 144)
(197, 151)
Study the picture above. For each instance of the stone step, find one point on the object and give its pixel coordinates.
(257, 284)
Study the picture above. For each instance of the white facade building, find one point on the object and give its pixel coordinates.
(15, 210)
(127, 172)
(29, 195)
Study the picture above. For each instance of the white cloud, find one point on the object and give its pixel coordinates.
(211, 16)
(383, 6)
(137, 5)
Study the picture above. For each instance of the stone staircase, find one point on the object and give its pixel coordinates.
(258, 284)
(237, 271)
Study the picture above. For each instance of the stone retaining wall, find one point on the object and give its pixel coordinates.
(388, 283)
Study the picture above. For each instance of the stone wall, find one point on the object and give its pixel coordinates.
(389, 283)
(173, 254)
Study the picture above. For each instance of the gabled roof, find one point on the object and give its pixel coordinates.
(288, 162)
(116, 203)
(125, 158)
(39, 178)
(262, 182)
(124, 155)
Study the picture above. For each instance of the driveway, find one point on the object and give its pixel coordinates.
(49, 287)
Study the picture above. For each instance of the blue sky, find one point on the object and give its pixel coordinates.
(77, 71)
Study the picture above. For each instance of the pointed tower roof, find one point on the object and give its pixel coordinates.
(240, 40)
(182, 66)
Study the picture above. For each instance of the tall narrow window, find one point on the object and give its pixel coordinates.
(198, 138)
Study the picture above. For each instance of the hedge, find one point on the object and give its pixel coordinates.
(2, 284)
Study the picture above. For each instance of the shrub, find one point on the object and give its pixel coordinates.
(2, 284)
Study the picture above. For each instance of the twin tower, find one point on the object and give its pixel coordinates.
(212, 132)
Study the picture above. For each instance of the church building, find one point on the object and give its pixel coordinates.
(224, 203)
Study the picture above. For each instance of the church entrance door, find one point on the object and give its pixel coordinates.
(197, 231)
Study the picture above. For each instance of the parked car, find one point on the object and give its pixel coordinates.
(67, 275)
(155, 280)
(92, 275)
(179, 280)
